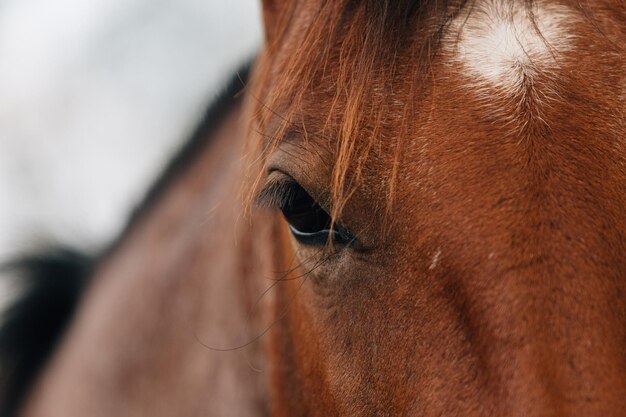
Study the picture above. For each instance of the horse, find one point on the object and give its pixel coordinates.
(408, 208)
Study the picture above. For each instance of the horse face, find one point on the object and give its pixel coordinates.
(451, 179)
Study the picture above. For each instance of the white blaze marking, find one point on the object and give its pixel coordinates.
(499, 42)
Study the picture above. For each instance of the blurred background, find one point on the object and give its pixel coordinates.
(95, 95)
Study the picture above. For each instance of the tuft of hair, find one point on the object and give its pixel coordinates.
(357, 48)
(346, 54)
(51, 283)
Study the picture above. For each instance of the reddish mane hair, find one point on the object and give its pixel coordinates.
(373, 34)
(358, 47)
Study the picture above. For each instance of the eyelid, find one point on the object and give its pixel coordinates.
(276, 192)
(279, 188)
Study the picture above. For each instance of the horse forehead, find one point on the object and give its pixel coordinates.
(502, 44)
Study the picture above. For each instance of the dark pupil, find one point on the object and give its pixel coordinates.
(304, 214)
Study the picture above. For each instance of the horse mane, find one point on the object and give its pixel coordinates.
(52, 281)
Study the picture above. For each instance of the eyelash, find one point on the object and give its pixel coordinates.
(309, 223)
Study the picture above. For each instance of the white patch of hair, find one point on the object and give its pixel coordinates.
(435, 260)
(505, 44)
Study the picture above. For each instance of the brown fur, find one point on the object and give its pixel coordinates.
(498, 287)
(490, 269)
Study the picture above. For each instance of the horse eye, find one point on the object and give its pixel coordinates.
(309, 223)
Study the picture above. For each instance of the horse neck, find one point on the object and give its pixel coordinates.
(180, 287)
